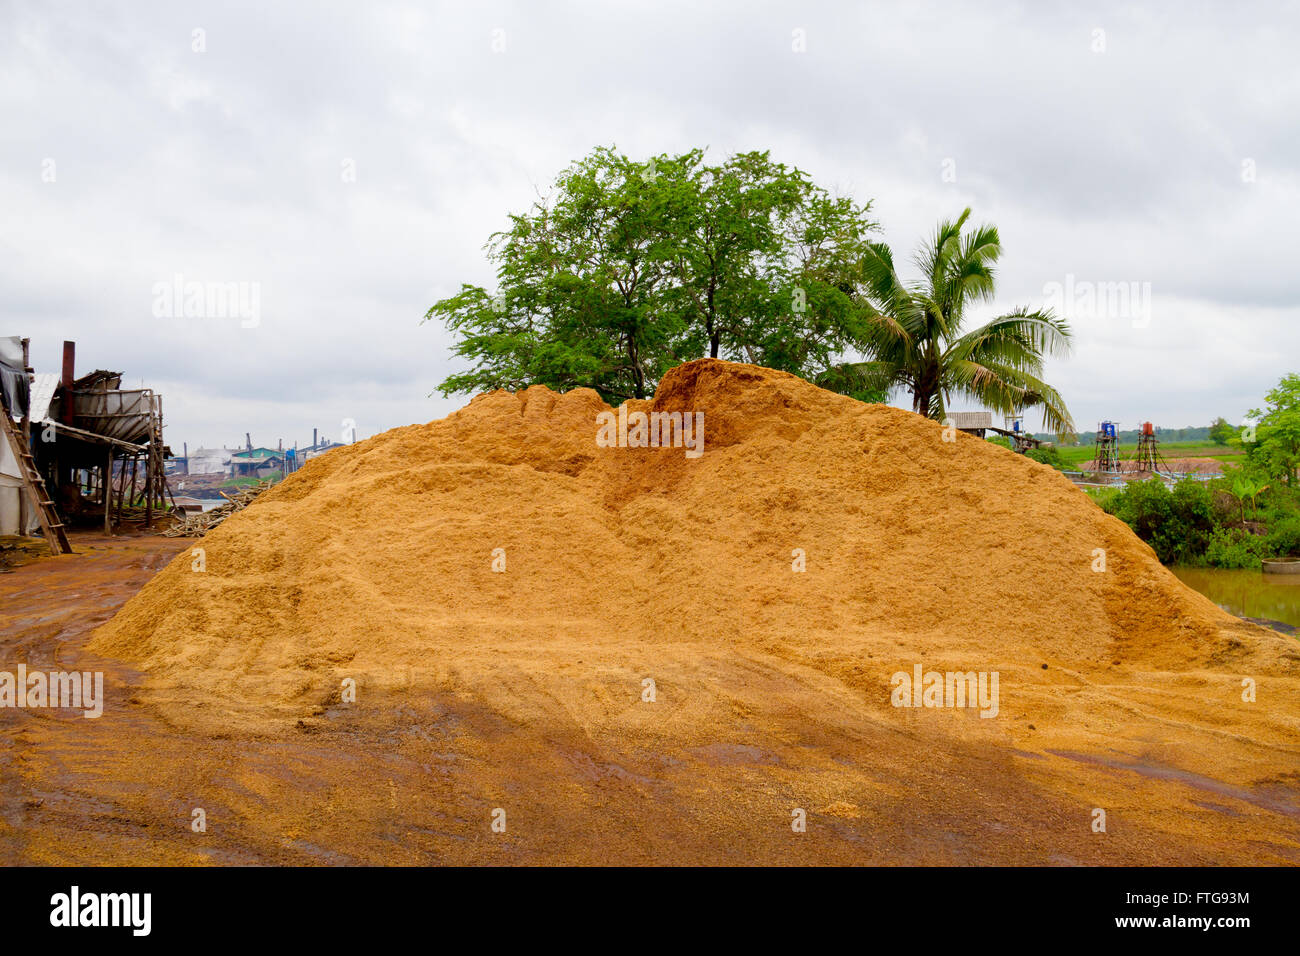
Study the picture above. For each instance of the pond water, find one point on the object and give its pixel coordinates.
(1248, 593)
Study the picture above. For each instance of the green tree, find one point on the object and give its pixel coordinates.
(728, 244)
(1276, 449)
(916, 340)
(1221, 432)
(582, 283)
(629, 268)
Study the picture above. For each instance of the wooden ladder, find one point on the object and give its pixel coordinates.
(50, 523)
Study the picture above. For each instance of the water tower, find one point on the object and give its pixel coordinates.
(1148, 457)
(1105, 458)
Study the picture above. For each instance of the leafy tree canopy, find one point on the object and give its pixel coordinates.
(1276, 449)
(1221, 432)
(628, 268)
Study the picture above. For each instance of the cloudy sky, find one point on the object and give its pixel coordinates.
(346, 162)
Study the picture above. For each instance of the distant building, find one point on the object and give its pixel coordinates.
(256, 463)
(320, 448)
(974, 423)
(210, 461)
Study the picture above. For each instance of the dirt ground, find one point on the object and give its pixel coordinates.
(418, 782)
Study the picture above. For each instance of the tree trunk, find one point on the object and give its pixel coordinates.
(924, 389)
(638, 377)
(715, 338)
(922, 395)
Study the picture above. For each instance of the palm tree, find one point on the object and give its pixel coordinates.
(915, 340)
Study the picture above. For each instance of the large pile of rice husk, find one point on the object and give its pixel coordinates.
(375, 563)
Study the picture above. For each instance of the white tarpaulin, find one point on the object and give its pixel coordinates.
(13, 376)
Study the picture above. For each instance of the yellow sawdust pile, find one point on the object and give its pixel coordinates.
(376, 563)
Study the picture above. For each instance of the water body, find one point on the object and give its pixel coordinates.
(1275, 597)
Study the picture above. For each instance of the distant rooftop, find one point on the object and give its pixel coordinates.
(971, 419)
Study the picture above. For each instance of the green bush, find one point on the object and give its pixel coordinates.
(1284, 537)
(1236, 548)
(1279, 504)
(1107, 499)
(1198, 522)
(1193, 504)
(1178, 524)
(1144, 507)
(1046, 456)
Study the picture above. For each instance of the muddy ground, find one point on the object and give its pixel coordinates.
(416, 779)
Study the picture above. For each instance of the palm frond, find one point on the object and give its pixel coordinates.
(1010, 390)
(853, 377)
(1034, 333)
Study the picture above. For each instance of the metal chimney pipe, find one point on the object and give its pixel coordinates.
(69, 376)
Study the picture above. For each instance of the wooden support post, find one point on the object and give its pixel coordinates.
(166, 489)
(135, 461)
(149, 473)
(108, 492)
(120, 493)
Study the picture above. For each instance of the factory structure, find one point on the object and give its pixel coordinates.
(249, 461)
(76, 449)
(82, 451)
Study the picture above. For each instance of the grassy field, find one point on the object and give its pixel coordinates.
(247, 482)
(1075, 456)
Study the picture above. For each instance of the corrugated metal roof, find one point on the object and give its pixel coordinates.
(971, 419)
(43, 387)
(259, 452)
